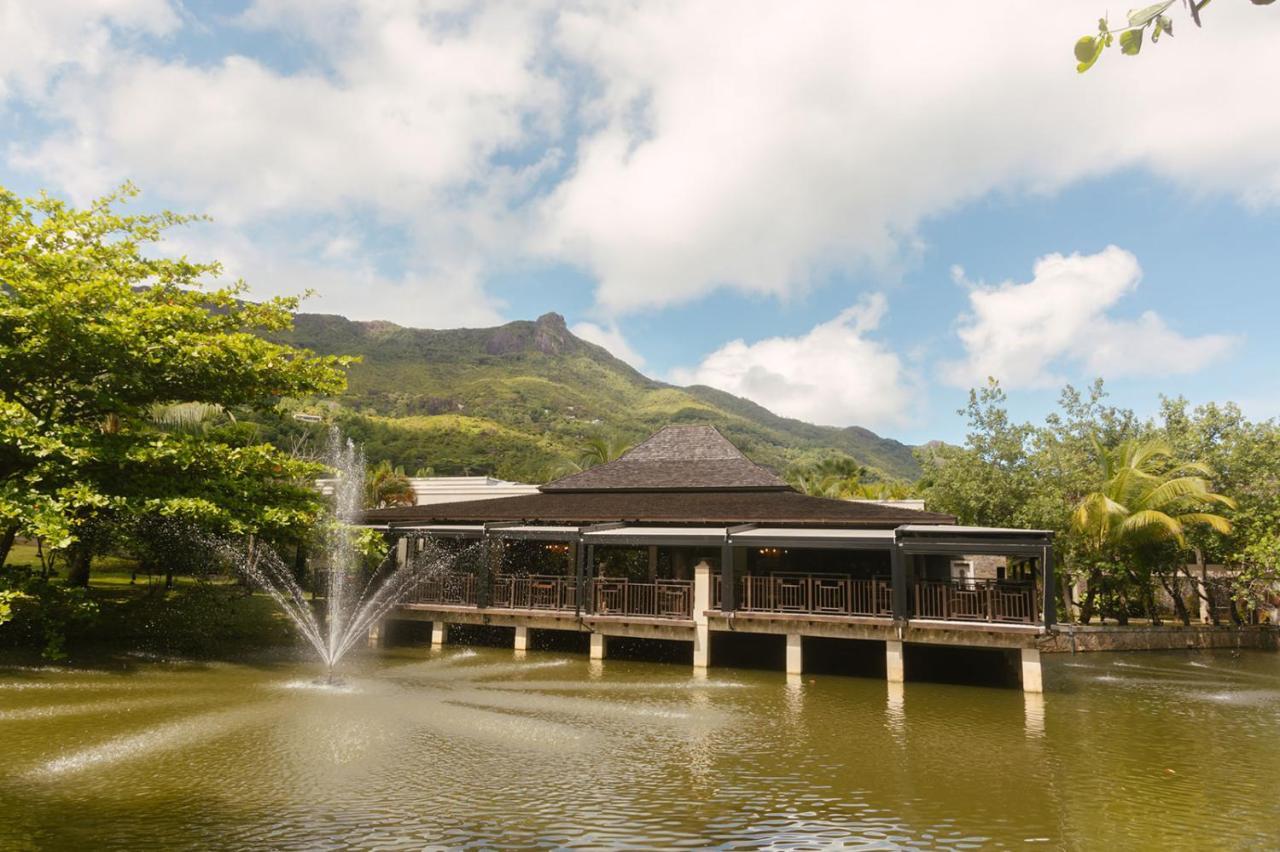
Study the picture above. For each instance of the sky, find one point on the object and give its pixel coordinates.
(848, 212)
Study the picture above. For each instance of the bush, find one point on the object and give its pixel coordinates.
(35, 611)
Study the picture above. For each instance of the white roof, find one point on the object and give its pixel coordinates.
(446, 529)
(532, 530)
(656, 532)
(952, 528)
(803, 533)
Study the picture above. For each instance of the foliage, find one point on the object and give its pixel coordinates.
(42, 612)
(1129, 501)
(386, 486)
(1138, 24)
(98, 343)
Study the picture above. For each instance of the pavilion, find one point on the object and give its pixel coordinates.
(683, 537)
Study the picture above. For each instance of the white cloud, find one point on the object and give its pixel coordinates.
(755, 150)
(442, 296)
(1024, 334)
(834, 374)
(667, 148)
(610, 338)
(39, 38)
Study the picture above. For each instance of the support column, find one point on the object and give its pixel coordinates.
(522, 639)
(598, 644)
(439, 633)
(894, 668)
(402, 551)
(1031, 679)
(378, 634)
(701, 603)
(795, 654)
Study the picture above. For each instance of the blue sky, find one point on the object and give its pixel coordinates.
(846, 226)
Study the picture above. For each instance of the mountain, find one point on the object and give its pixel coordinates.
(520, 399)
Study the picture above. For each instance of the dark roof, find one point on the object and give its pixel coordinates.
(683, 507)
(676, 458)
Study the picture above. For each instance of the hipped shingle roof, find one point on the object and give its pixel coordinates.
(676, 458)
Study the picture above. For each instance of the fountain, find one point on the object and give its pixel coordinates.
(350, 608)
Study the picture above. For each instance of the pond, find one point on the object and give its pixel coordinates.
(485, 747)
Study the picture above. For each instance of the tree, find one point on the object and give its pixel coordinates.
(386, 486)
(94, 335)
(600, 450)
(1148, 497)
(1139, 22)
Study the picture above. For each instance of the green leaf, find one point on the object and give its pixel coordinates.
(1146, 15)
(1087, 51)
(1131, 42)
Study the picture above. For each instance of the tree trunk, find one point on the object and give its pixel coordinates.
(1090, 597)
(1067, 602)
(79, 561)
(1172, 586)
(6, 541)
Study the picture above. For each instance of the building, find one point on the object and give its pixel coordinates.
(685, 538)
(454, 489)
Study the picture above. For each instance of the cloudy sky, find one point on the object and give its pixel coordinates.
(850, 212)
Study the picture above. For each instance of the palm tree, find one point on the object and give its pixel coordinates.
(1147, 498)
(386, 486)
(188, 418)
(599, 450)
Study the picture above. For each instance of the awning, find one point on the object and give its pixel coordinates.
(533, 532)
(680, 536)
(443, 530)
(997, 541)
(802, 537)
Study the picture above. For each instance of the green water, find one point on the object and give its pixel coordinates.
(480, 748)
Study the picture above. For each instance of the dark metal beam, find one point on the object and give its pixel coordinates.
(898, 570)
(728, 580)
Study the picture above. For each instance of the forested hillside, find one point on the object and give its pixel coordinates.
(520, 400)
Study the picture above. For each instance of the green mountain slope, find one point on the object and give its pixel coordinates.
(520, 399)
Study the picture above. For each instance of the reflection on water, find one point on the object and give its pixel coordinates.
(459, 747)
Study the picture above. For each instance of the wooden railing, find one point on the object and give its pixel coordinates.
(831, 594)
(823, 594)
(454, 589)
(834, 594)
(534, 591)
(660, 599)
(975, 600)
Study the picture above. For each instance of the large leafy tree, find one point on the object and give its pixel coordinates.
(1147, 498)
(97, 335)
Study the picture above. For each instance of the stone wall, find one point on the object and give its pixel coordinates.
(1067, 638)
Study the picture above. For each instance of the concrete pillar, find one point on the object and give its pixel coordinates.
(893, 661)
(402, 552)
(795, 655)
(597, 646)
(439, 633)
(522, 639)
(701, 603)
(377, 634)
(1031, 679)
